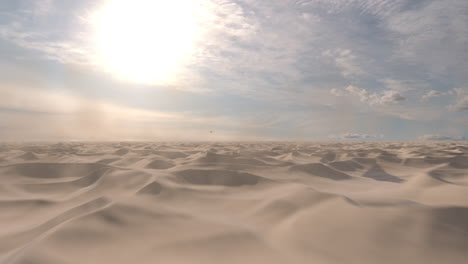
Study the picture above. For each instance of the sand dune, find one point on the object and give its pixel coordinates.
(242, 202)
(320, 170)
(218, 177)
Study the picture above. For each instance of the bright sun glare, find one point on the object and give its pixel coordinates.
(145, 41)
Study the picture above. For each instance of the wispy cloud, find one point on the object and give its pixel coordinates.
(41, 8)
(429, 137)
(63, 51)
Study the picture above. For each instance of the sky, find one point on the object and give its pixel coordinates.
(319, 70)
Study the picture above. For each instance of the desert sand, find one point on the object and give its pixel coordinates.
(240, 202)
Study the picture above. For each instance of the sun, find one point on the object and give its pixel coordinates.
(145, 41)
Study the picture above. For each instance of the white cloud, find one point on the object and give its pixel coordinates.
(457, 92)
(404, 85)
(461, 104)
(390, 97)
(431, 94)
(345, 60)
(338, 92)
(350, 135)
(429, 137)
(461, 99)
(384, 98)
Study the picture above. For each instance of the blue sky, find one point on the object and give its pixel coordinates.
(253, 70)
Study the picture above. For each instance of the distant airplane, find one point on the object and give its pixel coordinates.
(211, 131)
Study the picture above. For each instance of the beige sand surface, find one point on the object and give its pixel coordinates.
(76, 203)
